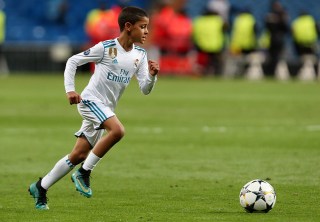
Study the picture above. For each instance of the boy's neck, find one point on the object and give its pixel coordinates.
(125, 42)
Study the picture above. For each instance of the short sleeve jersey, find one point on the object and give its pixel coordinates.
(114, 68)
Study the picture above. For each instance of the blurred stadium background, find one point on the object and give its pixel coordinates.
(36, 41)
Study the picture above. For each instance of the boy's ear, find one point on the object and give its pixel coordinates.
(128, 26)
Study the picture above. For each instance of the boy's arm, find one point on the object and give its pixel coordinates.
(147, 75)
(94, 54)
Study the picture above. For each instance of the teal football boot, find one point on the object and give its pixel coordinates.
(81, 179)
(39, 194)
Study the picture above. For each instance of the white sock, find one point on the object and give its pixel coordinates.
(91, 161)
(62, 168)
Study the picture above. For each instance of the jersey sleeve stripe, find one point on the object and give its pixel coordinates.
(110, 43)
(139, 48)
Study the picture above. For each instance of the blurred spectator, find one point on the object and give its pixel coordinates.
(3, 63)
(172, 28)
(276, 24)
(209, 38)
(305, 37)
(244, 33)
(305, 34)
(2, 28)
(171, 31)
(102, 23)
(243, 41)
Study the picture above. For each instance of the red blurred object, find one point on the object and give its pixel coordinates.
(103, 24)
(172, 31)
(175, 64)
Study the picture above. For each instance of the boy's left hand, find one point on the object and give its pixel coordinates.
(153, 67)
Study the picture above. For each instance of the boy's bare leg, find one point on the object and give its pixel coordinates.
(115, 131)
(80, 151)
(81, 177)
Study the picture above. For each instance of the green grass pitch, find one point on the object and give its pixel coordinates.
(189, 148)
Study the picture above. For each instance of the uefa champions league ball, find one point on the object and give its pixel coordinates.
(257, 196)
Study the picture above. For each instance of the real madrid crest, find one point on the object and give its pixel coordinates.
(113, 52)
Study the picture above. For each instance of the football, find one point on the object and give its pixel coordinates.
(257, 196)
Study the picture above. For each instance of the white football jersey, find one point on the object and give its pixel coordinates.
(114, 68)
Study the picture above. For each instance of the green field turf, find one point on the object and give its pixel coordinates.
(189, 148)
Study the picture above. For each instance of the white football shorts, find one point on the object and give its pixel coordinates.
(94, 114)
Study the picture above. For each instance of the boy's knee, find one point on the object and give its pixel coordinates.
(77, 157)
(119, 132)
(114, 128)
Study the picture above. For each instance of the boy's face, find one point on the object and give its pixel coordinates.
(139, 30)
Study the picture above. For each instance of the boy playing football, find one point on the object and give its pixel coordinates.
(116, 61)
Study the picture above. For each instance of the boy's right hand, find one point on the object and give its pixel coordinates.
(73, 97)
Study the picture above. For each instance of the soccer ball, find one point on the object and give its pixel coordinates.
(257, 196)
